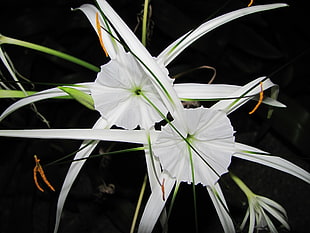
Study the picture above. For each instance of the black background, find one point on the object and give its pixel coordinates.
(274, 43)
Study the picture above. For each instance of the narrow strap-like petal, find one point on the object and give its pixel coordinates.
(42, 95)
(155, 205)
(220, 205)
(261, 157)
(74, 170)
(243, 95)
(130, 136)
(173, 50)
(214, 92)
(198, 91)
(113, 47)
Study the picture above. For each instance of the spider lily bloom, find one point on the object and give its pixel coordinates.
(256, 212)
(197, 150)
(119, 93)
(205, 154)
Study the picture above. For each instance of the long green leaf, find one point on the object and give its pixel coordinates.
(15, 93)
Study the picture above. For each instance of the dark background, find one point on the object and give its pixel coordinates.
(274, 43)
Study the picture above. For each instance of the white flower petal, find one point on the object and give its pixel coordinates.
(245, 93)
(214, 92)
(220, 205)
(74, 170)
(276, 210)
(252, 219)
(42, 95)
(256, 155)
(130, 136)
(186, 40)
(110, 44)
(199, 91)
(155, 205)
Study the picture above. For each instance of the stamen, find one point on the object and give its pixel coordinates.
(261, 97)
(100, 35)
(35, 169)
(251, 2)
(163, 189)
(38, 168)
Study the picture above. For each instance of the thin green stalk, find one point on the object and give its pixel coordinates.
(59, 161)
(174, 195)
(135, 217)
(8, 40)
(242, 186)
(144, 21)
(194, 187)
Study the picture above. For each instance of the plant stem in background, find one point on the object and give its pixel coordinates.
(8, 40)
(144, 21)
(135, 217)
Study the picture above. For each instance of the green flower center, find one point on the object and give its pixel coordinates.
(189, 137)
(137, 91)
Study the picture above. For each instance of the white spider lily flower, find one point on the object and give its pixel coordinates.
(198, 150)
(257, 211)
(134, 66)
(119, 92)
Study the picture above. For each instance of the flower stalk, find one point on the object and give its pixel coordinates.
(8, 40)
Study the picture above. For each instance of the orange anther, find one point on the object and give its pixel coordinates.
(251, 2)
(98, 26)
(163, 189)
(38, 168)
(261, 97)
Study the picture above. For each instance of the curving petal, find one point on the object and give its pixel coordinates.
(12, 73)
(258, 156)
(74, 170)
(197, 91)
(130, 136)
(220, 205)
(173, 50)
(276, 210)
(113, 47)
(42, 95)
(155, 205)
(214, 92)
(244, 94)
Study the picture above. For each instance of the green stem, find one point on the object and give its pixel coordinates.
(144, 21)
(242, 186)
(8, 40)
(194, 186)
(135, 217)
